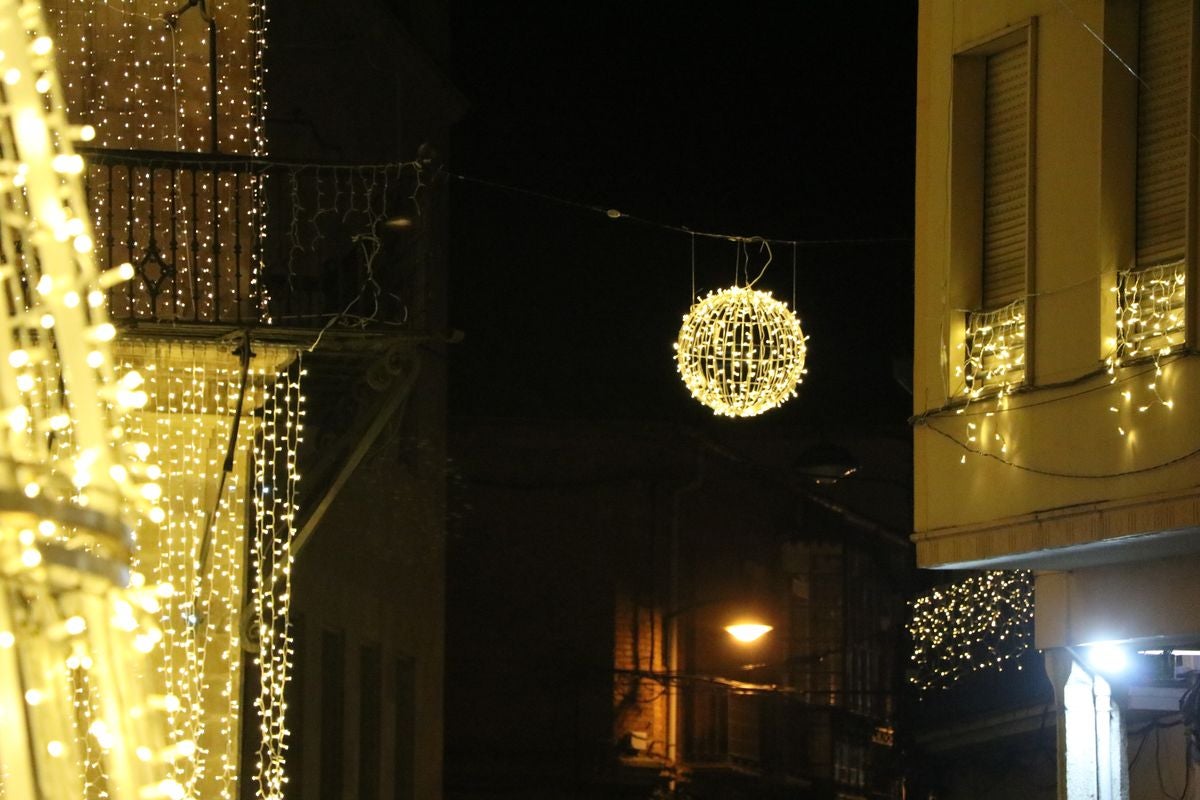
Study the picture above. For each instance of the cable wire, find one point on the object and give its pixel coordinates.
(613, 213)
(1056, 474)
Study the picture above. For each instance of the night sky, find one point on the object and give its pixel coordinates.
(792, 121)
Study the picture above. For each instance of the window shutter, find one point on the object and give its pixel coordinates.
(1005, 148)
(1163, 38)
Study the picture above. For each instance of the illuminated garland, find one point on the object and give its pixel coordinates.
(82, 716)
(1151, 323)
(276, 480)
(976, 624)
(995, 351)
(192, 398)
(1151, 312)
(741, 352)
(144, 84)
(142, 79)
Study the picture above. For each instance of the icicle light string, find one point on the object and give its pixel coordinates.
(1150, 326)
(1058, 474)
(961, 409)
(976, 624)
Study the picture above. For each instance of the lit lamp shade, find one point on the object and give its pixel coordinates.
(748, 631)
(741, 352)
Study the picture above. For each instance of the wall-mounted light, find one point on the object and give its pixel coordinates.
(1107, 658)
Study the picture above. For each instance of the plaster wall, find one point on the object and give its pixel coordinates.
(1057, 444)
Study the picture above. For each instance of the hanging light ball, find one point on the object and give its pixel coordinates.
(741, 352)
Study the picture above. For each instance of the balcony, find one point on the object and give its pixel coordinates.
(231, 241)
(732, 735)
(724, 728)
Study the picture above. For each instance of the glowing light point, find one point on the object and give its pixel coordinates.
(748, 631)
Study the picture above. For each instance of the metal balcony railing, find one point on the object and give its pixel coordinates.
(723, 727)
(233, 241)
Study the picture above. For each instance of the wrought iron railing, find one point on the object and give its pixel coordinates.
(235, 241)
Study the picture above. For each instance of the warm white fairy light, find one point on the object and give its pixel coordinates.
(741, 352)
(275, 485)
(192, 393)
(979, 623)
(144, 84)
(994, 351)
(1151, 323)
(1151, 313)
(77, 701)
(187, 420)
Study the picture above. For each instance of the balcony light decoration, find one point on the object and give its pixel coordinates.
(1151, 312)
(979, 623)
(995, 351)
(741, 352)
(139, 72)
(193, 393)
(1151, 323)
(83, 714)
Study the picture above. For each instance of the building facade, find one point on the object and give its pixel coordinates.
(593, 568)
(270, 182)
(1055, 328)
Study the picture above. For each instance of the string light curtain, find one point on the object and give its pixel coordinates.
(144, 81)
(139, 70)
(276, 481)
(193, 390)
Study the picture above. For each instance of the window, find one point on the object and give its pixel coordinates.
(1162, 131)
(1152, 294)
(991, 147)
(1005, 151)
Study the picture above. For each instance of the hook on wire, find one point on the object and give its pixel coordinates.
(762, 244)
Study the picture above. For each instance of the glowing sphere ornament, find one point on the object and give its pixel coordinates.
(741, 352)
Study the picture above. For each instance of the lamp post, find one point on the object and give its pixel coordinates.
(746, 630)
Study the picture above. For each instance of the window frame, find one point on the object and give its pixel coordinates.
(966, 200)
(1138, 273)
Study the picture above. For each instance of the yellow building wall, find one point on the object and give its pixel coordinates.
(1022, 475)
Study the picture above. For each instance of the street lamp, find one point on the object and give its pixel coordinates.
(748, 631)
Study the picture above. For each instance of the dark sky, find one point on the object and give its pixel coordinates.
(793, 121)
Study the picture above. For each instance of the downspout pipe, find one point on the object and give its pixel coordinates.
(671, 627)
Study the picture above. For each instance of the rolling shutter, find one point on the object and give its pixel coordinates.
(1162, 151)
(1005, 151)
